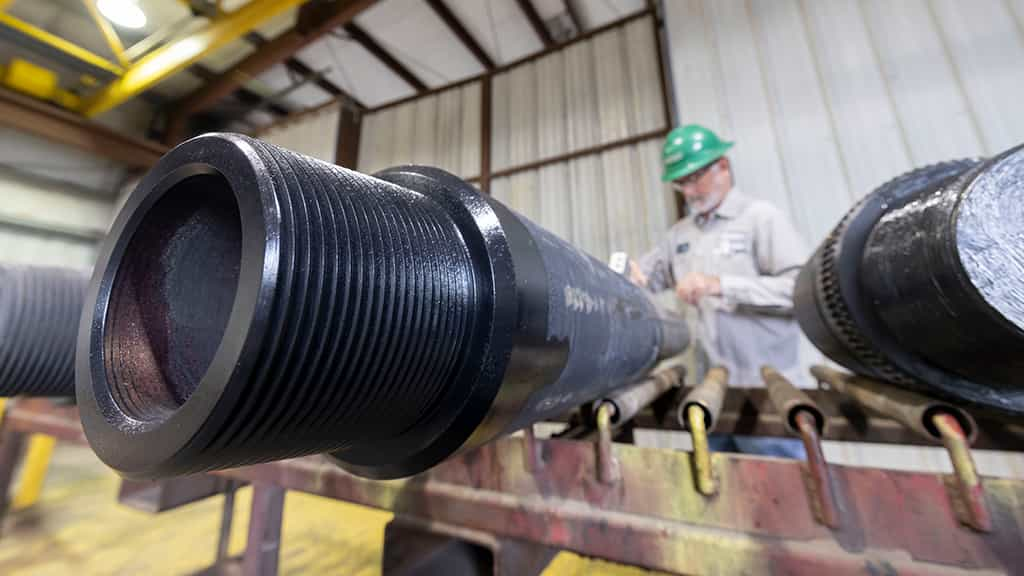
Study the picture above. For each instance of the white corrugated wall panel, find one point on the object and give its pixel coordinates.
(471, 117)
(586, 186)
(424, 152)
(599, 90)
(748, 117)
(404, 133)
(555, 202)
(613, 95)
(580, 97)
(647, 110)
(522, 115)
(802, 119)
(49, 223)
(448, 131)
(930, 104)
(856, 89)
(32, 248)
(314, 134)
(987, 47)
(441, 130)
(551, 106)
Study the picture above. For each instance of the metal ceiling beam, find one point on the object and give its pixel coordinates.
(35, 117)
(242, 94)
(177, 55)
(371, 46)
(467, 39)
(299, 67)
(336, 13)
(536, 22)
(50, 45)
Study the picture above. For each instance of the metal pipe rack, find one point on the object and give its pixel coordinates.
(522, 509)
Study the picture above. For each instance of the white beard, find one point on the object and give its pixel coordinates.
(707, 203)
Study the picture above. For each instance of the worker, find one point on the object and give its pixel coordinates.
(735, 258)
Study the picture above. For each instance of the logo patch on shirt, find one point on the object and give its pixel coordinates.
(683, 248)
(733, 242)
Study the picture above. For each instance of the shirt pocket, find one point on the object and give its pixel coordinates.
(734, 252)
(733, 243)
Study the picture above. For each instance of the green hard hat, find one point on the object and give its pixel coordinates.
(690, 148)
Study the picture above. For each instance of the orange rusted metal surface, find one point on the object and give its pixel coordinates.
(760, 521)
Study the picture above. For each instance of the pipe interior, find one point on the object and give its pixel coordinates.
(172, 297)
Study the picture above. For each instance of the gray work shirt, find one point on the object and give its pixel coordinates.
(755, 250)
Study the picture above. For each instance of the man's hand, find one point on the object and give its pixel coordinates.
(636, 276)
(695, 286)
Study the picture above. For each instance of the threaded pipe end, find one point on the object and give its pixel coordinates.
(365, 305)
(39, 313)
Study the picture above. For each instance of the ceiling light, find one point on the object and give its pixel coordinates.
(124, 13)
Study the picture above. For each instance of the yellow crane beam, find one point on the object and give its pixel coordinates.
(59, 43)
(109, 34)
(175, 56)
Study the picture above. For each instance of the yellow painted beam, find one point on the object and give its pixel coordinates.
(109, 34)
(73, 50)
(174, 57)
(33, 471)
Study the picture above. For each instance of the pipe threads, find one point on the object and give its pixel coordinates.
(373, 302)
(39, 312)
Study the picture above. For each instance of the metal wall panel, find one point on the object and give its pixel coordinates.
(930, 105)
(747, 111)
(314, 134)
(440, 130)
(31, 247)
(828, 99)
(987, 48)
(50, 223)
(596, 91)
(855, 86)
(802, 120)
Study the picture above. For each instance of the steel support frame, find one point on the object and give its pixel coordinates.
(175, 56)
(30, 115)
(761, 520)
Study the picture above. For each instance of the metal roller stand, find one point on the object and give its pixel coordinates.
(253, 304)
(697, 414)
(930, 419)
(621, 407)
(920, 283)
(804, 419)
(626, 403)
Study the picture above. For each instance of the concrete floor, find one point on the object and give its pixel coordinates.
(78, 528)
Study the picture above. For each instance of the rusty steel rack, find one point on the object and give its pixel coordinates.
(521, 499)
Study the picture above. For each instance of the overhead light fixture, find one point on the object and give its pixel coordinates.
(123, 13)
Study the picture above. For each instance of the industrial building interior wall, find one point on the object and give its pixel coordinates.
(602, 203)
(828, 100)
(314, 134)
(441, 130)
(593, 92)
(57, 202)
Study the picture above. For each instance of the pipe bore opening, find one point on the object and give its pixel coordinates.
(172, 296)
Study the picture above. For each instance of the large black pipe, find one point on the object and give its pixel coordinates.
(39, 312)
(922, 283)
(253, 304)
